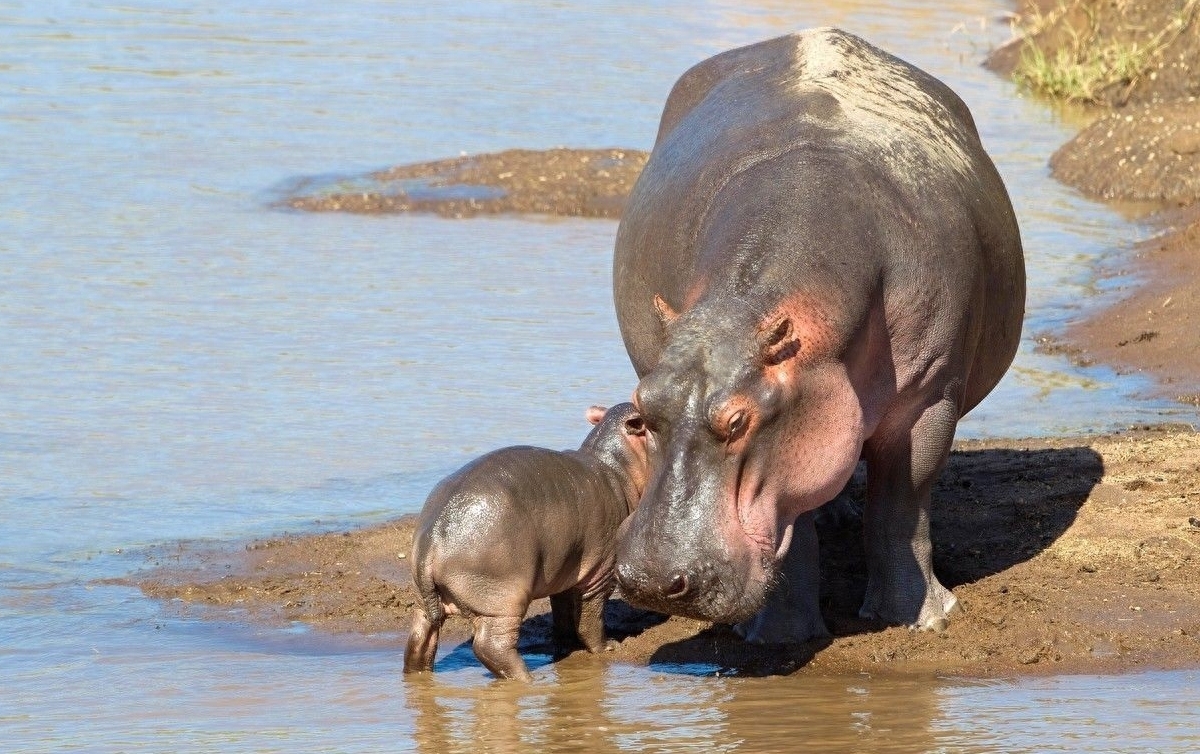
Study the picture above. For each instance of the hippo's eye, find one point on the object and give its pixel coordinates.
(735, 426)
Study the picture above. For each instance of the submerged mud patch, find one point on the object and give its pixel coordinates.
(568, 182)
(1066, 555)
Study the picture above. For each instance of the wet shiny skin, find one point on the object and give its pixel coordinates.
(838, 305)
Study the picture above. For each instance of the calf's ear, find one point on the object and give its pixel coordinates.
(595, 414)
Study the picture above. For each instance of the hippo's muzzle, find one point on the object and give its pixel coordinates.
(709, 580)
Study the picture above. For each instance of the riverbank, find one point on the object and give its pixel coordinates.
(1067, 556)
(1133, 63)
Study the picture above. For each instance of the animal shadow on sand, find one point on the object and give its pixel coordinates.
(993, 508)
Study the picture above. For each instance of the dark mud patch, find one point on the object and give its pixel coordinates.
(566, 182)
(1067, 555)
(1149, 153)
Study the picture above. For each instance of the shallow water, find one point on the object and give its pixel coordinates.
(183, 362)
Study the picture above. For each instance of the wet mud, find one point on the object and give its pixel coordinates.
(566, 182)
(1142, 146)
(1068, 555)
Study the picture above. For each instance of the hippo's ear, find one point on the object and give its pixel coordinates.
(634, 426)
(666, 314)
(595, 414)
(777, 342)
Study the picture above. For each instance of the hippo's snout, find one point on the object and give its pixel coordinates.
(641, 587)
(696, 581)
(696, 590)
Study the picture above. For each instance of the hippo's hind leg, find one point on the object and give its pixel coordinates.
(422, 640)
(495, 645)
(902, 465)
(428, 618)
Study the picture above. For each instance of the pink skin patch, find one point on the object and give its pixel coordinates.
(819, 430)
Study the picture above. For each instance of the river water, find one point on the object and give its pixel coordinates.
(182, 362)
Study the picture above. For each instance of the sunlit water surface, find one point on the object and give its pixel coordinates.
(180, 361)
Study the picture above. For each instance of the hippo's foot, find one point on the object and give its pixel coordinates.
(922, 605)
(495, 644)
(791, 614)
(782, 624)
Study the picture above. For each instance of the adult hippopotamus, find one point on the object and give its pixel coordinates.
(818, 264)
(521, 523)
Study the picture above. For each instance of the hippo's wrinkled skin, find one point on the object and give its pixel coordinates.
(819, 263)
(522, 523)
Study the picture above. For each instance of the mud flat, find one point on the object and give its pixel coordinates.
(568, 182)
(1134, 64)
(1067, 556)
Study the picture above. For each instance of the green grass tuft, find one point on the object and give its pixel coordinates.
(1080, 73)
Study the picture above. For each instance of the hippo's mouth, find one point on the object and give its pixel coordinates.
(785, 541)
(758, 515)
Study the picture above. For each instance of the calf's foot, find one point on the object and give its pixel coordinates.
(495, 645)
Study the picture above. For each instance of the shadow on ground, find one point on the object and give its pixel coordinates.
(993, 508)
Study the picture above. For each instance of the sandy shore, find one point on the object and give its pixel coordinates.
(1068, 555)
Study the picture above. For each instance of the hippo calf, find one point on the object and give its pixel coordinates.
(522, 523)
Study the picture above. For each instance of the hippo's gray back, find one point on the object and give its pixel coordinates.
(819, 96)
(881, 106)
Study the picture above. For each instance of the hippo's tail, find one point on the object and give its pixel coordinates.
(430, 600)
(422, 573)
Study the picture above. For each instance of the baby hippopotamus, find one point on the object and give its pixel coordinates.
(522, 523)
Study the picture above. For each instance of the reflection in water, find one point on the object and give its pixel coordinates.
(1149, 712)
(581, 707)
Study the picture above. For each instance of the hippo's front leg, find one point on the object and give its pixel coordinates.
(792, 613)
(591, 623)
(580, 618)
(566, 607)
(901, 468)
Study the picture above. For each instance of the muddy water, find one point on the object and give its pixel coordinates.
(689, 709)
(182, 362)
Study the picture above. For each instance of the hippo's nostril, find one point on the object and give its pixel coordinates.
(678, 588)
